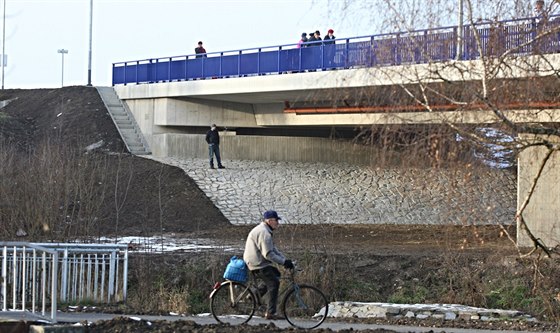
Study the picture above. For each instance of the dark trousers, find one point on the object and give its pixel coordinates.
(214, 149)
(270, 275)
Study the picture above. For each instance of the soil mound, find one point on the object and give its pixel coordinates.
(151, 197)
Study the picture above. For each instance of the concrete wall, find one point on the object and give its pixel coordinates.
(167, 115)
(543, 210)
(264, 148)
(176, 112)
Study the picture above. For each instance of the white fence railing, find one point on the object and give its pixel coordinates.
(38, 275)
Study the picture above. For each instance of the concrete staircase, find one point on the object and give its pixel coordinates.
(125, 122)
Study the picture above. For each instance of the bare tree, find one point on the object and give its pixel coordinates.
(494, 107)
(60, 195)
(121, 189)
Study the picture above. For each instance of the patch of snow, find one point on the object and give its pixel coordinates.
(167, 243)
(96, 145)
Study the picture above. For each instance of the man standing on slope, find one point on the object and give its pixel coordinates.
(213, 140)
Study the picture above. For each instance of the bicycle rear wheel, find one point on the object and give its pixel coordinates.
(305, 307)
(232, 303)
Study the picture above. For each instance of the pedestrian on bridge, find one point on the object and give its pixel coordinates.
(316, 37)
(329, 38)
(302, 41)
(213, 140)
(311, 38)
(329, 51)
(200, 51)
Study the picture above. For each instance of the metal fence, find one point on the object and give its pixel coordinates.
(519, 37)
(35, 276)
(28, 272)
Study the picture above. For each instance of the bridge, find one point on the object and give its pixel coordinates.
(289, 100)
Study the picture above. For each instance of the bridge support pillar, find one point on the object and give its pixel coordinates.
(542, 214)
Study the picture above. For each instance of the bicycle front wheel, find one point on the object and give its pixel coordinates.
(305, 307)
(232, 303)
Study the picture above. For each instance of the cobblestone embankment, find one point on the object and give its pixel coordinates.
(308, 193)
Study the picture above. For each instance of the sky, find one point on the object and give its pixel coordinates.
(127, 30)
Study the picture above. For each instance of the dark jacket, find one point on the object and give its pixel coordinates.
(315, 40)
(329, 40)
(311, 39)
(200, 52)
(213, 137)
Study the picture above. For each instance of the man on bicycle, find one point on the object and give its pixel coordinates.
(261, 254)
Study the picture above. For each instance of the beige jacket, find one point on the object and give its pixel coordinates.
(260, 250)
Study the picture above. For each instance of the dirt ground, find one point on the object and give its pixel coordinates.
(77, 116)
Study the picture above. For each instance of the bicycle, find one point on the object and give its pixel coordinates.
(302, 305)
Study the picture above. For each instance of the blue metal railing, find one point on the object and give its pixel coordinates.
(414, 47)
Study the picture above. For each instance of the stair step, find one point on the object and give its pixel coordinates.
(124, 121)
(132, 136)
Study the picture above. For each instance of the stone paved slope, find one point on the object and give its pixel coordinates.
(309, 193)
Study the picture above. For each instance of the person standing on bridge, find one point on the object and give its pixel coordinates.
(260, 256)
(329, 51)
(200, 51)
(329, 38)
(541, 18)
(540, 11)
(311, 38)
(302, 41)
(316, 38)
(213, 140)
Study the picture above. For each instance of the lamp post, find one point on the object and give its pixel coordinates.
(62, 52)
(3, 43)
(460, 30)
(90, 38)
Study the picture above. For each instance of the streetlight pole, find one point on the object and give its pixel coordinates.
(460, 31)
(62, 52)
(90, 38)
(3, 43)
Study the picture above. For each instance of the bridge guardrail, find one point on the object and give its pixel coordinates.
(411, 47)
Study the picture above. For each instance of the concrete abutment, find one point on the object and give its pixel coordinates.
(538, 189)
